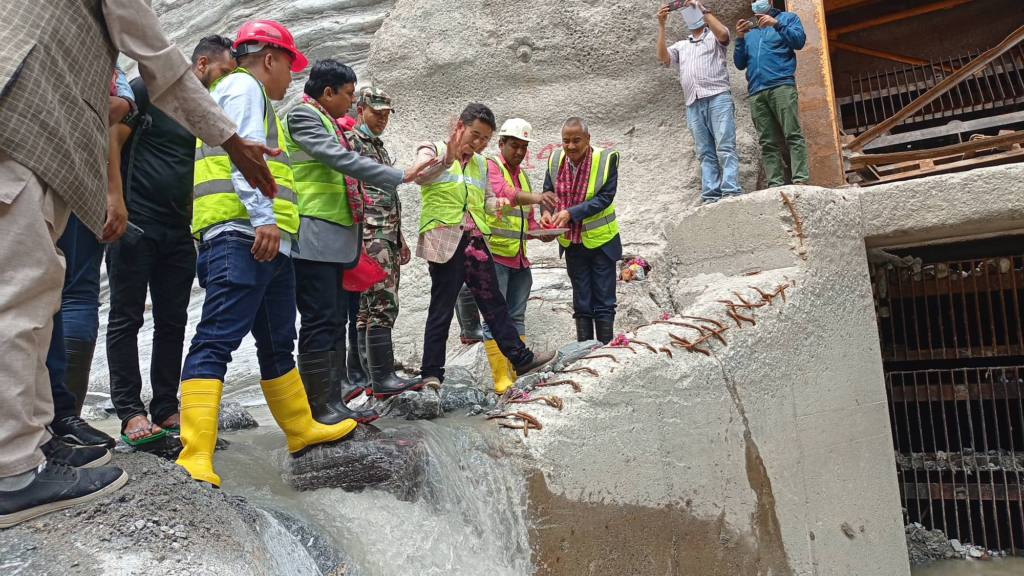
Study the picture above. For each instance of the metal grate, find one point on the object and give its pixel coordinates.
(959, 437)
(951, 310)
(997, 89)
(953, 344)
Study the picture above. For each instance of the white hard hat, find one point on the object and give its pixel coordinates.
(516, 128)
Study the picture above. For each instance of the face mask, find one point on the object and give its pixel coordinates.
(366, 130)
(697, 25)
(761, 6)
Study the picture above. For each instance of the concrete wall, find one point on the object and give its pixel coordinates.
(758, 458)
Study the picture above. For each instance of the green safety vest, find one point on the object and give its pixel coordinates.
(600, 227)
(446, 200)
(214, 197)
(322, 191)
(509, 235)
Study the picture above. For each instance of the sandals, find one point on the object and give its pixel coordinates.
(145, 439)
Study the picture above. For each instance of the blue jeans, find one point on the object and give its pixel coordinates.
(515, 284)
(712, 122)
(242, 295)
(79, 316)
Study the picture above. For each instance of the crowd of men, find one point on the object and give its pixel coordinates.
(203, 179)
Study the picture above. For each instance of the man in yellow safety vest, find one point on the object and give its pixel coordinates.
(328, 182)
(585, 180)
(455, 193)
(244, 262)
(509, 234)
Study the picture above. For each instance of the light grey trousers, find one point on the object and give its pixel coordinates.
(32, 217)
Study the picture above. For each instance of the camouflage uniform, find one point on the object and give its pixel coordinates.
(378, 306)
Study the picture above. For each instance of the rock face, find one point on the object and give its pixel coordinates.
(392, 460)
(161, 522)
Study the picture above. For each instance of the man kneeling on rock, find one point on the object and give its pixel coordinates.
(585, 180)
(455, 194)
(244, 262)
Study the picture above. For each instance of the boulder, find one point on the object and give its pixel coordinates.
(233, 416)
(460, 397)
(422, 404)
(393, 460)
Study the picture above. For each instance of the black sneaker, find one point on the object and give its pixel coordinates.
(57, 486)
(74, 430)
(77, 456)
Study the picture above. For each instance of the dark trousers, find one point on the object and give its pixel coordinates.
(243, 295)
(324, 307)
(592, 273)
(476, 270)
(353, 318)
(162, 263)
(78, 317)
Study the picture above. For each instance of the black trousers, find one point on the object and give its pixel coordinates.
(323, 306)
(164, 262)
(592, 274)
(476, 270)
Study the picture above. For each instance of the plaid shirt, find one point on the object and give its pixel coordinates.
(439, 244)
(61, 135)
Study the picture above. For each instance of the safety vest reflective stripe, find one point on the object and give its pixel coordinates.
(516, 213)
(592, 224)
(600, 227)
(514, 234)
(215, 199)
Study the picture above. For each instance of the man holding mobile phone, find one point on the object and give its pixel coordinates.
(710, 110)
(767, 51)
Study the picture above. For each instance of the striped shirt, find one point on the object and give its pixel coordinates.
(701, 62)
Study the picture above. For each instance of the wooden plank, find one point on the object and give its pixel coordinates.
(839, 45)
(895, 16)
(979, 162)
(941, 88)
(861, 160)
(947, 130)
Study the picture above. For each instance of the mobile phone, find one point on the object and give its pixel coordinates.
(675, 5)
(132, 235)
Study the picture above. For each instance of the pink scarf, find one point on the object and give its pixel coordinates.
(356, 194)
(572, 190)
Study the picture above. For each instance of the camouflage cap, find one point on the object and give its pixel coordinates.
(375, 98)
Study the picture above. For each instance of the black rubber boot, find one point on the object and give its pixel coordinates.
(340, 387)
(584, 329)
(469, 318)
(356, 360)
(380, 356)
(315, 371)
(605, 330)
(79, 364)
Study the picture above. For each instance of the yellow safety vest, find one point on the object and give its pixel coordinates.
(600, 227)
(509, 235)
(445, 201)
(322, 191)
(214, 197)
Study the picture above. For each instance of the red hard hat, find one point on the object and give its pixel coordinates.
(272, 33)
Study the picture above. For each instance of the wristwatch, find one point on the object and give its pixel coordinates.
(705, 10)
(131, 118)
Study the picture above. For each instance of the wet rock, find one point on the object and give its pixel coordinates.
(319, 547)
(459, 376)
(167, 447)
(91, 413)
(566, 355)
(392, 460)
(459, 397)
(423, 404)
(925, 545)
(233, 416)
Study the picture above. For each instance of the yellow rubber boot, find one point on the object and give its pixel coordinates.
(200, 404)
(286, 398)
(500, 369)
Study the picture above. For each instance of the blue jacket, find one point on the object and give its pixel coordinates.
(768, 54)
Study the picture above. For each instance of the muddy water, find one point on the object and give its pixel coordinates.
(999, 567)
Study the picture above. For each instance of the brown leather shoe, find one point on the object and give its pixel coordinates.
(541, 361)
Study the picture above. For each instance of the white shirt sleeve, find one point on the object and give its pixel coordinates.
(242, 100)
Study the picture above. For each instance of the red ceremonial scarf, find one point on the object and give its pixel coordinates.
(571, 190)
(356, 193)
